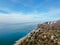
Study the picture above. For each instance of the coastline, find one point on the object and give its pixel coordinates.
(46, 31)
(21, 39)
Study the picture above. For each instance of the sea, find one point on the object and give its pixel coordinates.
(11, 32)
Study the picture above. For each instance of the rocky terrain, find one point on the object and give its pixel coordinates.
(47, 33)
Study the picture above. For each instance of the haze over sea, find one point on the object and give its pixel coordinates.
(9, 33)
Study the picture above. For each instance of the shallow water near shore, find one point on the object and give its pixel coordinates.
(10, 33)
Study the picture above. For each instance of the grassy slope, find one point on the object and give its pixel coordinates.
(41, 36)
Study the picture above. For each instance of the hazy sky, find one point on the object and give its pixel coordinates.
(16, 11)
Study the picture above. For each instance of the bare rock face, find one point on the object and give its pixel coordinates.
(47, 33)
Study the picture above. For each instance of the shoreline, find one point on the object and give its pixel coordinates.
(21, 39)
(44, 30)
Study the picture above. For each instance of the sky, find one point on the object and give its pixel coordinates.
(18, 11)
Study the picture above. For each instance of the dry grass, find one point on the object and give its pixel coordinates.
(42, 35)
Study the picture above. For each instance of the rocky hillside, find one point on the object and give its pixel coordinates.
(47, 33)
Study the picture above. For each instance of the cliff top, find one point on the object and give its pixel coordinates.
(47, 33)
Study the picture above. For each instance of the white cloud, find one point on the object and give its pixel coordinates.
(6, 9)
(52, 14)
(17, 18)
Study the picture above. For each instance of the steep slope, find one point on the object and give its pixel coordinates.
(47, 33)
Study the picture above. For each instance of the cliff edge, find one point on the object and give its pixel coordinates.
(47, 33)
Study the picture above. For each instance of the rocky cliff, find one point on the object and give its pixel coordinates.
(47, 33)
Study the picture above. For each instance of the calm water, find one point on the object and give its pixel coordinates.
(9, 33)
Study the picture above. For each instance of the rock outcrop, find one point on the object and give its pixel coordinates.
(47, 33)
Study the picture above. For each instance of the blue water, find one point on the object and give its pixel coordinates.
(9, 33)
